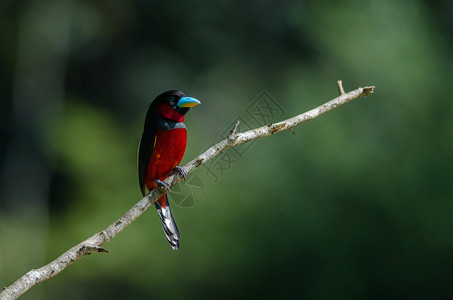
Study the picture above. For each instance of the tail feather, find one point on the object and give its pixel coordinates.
(168, 222)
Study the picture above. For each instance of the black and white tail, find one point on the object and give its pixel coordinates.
(168, 222)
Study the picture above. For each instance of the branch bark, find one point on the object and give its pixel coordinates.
(94, 243)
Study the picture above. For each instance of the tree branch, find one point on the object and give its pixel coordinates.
(94, 243)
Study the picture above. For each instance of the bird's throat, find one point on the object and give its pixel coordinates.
(165, 111)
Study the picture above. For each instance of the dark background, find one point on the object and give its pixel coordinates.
(356, 205)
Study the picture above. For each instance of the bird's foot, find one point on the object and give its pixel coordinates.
(181, 171)
(163, 185)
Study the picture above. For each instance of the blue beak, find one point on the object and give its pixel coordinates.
(187, 102)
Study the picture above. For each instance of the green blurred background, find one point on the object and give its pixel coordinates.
(356, 205)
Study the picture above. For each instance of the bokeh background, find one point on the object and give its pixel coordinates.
(356, 205)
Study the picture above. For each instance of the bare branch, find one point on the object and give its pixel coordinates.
(94, 243)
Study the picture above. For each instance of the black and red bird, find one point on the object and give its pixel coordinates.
(161, 149)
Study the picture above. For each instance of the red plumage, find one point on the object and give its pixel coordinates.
(168, 151)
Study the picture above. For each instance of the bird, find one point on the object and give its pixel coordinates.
(161, 149)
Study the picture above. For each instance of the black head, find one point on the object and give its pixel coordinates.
(177, 101)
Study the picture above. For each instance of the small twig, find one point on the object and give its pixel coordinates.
(93, 244)
(340, 87)
(231, 136)
(292, 131)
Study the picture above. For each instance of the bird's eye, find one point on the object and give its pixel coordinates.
(171, 99)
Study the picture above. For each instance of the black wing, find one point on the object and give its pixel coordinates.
(146, 148)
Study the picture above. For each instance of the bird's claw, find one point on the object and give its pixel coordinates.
(163, 185)
(181, 171)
